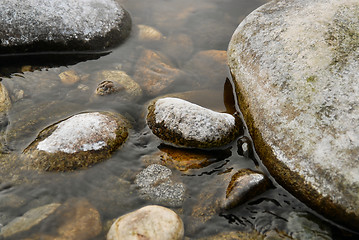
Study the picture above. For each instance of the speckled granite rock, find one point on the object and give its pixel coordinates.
(77, 142)
(185, 124)
(150, 222)
(295, 67)
(40, 25)
(155, 184)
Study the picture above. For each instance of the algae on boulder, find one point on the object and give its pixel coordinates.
(185, 124)
(295, 67)
(77, 142)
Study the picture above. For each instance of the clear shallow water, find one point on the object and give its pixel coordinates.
(108, 186)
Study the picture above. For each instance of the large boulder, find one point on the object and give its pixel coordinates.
(295, 68)
(77, 142)
(31, 26)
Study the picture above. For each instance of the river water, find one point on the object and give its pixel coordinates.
(40, 99)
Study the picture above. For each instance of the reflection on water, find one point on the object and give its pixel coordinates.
(39, 99)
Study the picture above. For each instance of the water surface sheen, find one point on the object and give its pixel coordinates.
(40, 99)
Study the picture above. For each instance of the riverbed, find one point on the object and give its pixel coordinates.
(180, 30)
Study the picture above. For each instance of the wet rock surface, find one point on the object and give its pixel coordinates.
(185, 124)
(77, 142)
(31, 26)
(150, 222)
(295, 70)
(155, 184)
(228, 189)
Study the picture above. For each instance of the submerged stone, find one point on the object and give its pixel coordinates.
(118, 83)
(295, 67)
(77, 142)
(155, 72)
(184, 159)
(185, 124)
(155, 184)
(31, 26)
(150, 222)
(30, 219)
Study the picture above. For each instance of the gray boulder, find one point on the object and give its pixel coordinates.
(40, 25)
(295, 67)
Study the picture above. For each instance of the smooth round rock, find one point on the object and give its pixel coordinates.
(295, 66)
(185, 124)
(150, 222)
(40, 25)
(77, 142)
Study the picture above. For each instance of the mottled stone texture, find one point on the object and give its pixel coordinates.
(40, 25)
(295, 67)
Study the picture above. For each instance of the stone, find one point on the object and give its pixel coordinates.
(66, 25)
(69, 77)
(148, 34)
(150, 222)
(5, 102)
(209, 68)
(178, 47)
(119, 84)
(80, 220)
(155, 73)
(155, 184)
(244, 185)
(182, 159)
(77, 142)
(185, 124)
(28, 119)
(30, 219)
(210, 28)
(303, 225)
(229, 188)
(294, 65)
(245, 148)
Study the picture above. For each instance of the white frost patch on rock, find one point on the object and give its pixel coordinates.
(28, 19)
(192, 121)
(83, 132)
